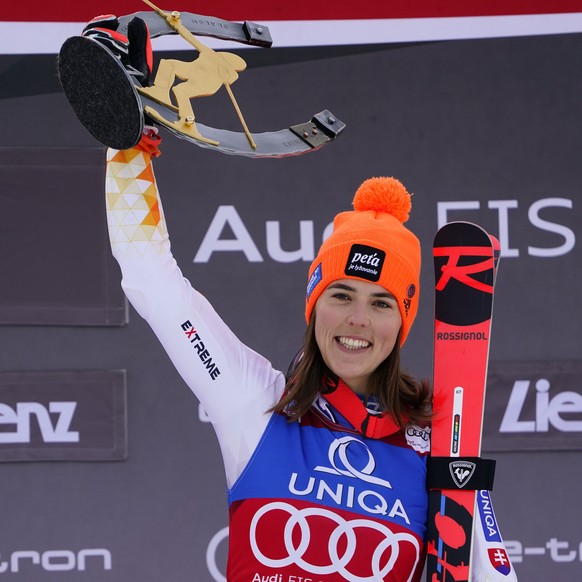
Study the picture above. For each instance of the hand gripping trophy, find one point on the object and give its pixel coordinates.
(109, 88)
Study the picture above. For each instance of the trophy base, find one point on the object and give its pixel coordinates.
(101, 92)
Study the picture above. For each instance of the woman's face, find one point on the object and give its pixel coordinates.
(356, 328)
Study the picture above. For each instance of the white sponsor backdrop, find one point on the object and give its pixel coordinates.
(481, 130)
(46, 38)
(42, 28)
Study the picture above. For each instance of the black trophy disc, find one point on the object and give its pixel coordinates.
(101, 92)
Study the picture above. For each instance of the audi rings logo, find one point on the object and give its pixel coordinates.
(344, 536)
(341, 465)
(418, 438)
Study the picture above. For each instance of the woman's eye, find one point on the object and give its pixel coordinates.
(383, 304)
(341, 296)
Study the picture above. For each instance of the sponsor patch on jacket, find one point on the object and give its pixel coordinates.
(418, 438)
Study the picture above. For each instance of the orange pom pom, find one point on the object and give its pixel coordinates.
(384, 195)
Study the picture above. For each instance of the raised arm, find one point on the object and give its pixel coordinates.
(235, 385)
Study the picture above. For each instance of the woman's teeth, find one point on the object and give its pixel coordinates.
(353, 344)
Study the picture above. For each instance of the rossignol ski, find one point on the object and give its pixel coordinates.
(465, 260)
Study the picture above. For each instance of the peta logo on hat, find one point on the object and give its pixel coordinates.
(365, 262)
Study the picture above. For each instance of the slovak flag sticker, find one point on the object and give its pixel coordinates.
(498, 557)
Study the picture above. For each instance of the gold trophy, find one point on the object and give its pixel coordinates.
(114, 101)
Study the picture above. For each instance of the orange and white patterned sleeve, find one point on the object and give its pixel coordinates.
(235, 385)
(134, 214)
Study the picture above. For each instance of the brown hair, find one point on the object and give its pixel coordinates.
(406, 399)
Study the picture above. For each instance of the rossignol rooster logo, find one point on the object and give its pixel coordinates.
(461, 472)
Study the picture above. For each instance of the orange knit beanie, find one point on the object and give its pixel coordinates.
(371, 243)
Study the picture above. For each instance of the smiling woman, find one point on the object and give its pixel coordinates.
(326, 467)
(326, 453)
(356, 328)
(362, 298)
